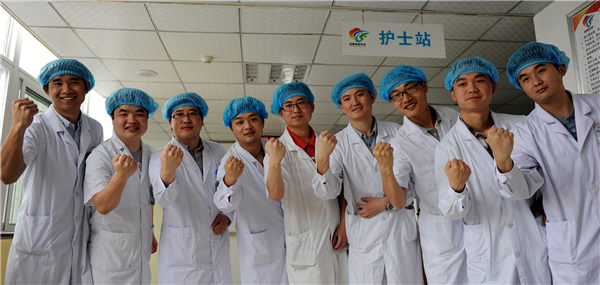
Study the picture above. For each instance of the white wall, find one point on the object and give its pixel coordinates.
(551, 26)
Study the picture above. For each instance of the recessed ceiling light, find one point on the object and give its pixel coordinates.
(146, 73)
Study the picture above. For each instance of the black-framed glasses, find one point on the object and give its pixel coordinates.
(181, 115)
(397, 97)
(289, 107)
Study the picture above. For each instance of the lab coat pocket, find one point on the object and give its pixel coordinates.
(560, 242)
(478, 252)
(180, 244)
(301, 249)
(260, 246)
(114, 251)
(35, 235)
(439, 235)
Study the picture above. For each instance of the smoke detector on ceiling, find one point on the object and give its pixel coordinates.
(146, 73)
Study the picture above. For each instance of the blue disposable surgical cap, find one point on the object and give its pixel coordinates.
(359, 80)
(65, 66)
(469, 65)
(243, 105)
(184, 99)
(398, 76)
(130, 96)
(287, 91)
(533, 53)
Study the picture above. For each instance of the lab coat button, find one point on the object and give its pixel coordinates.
(510, 225)
(517, 254)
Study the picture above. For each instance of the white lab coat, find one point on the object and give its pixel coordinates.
(309, 222)
(189, 251)
(259, 222)
(441, 238)
(501, 238)
(386, 244)
(48, 240)
(568, 172)
(120, 242)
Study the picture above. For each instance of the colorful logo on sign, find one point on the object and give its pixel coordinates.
(587, 20)
(358, 35)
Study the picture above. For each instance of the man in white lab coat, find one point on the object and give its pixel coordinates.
(194, 241)
(51, 149)
(383, 243)
(501, 238)
(259, 222)
(118, 190)
(441, 238)
(315, 233)
(557, 148)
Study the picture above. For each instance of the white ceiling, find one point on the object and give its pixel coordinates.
(115, 39)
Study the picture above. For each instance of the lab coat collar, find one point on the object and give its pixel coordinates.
(247, 155)
(51, 117)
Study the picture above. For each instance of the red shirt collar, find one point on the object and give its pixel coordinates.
(308, 147)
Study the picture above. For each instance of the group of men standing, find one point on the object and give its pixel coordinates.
(315, 207)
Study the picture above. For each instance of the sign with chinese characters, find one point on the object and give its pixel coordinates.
(393, 39)
(586, 26)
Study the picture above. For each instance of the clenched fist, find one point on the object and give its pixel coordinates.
(326, 142)
(124, 165)
(233, 169)
(275, 149)
(458, 173)
(384, 154)
(501, 142)
(23, 112)
(170, 158)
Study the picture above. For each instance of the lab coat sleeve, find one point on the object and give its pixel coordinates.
(227, 199)
(31, 142)
(524, 179)
(98, 173)
(402, 166)
(329, 185)
(452, 204)
(163, 195)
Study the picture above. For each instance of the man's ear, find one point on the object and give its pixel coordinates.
(46, 89)
(452, 95)
(494, 86)
(87, 87)
(562, 69)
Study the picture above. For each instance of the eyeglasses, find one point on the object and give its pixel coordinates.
(397, 97)
(289, 107)
(181, 115)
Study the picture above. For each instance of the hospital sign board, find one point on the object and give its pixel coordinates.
(393, 39)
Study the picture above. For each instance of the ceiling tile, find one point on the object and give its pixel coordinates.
(438, 80)
(453, 49)
(388, 5)
(104, 88)
(214, 91)
(530, 7)
(279, 48)
(215, 127)
(36, 13)
(503, 96)
(512, 29)
(382, 107)
(330, 51)
(105, 15)
(154, 128)
(325, 118)
(213, 117)
(513, 109)
(331, 74)
(194, 18)
(261, 92)
(221, 136)
(97, 68)
(216, 106)
(156, 89)
(216, 72)
(398, 119)
(282, 20)
(471, 6)
(63, 42)
(430, 72)
(439, 96)
(496, 52)
(193, 46)
(334, 23)
(322, 93)
(459, 27)
(320, 3)
(123, 44)
(126, 70)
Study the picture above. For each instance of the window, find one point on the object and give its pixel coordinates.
(34, 55)
(4, 32)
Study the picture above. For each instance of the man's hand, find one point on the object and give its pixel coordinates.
(23, 112)
(339, 239)
(276, 151)
(326, 142)
(220, 224)
(384, 154)
(124, 165)
(170, 158)
(501, 142)
(233, 170)
(371, 207)
(458, 173)
(154, 243)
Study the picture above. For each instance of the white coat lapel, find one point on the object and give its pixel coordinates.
(583, 123)
(359, 146)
